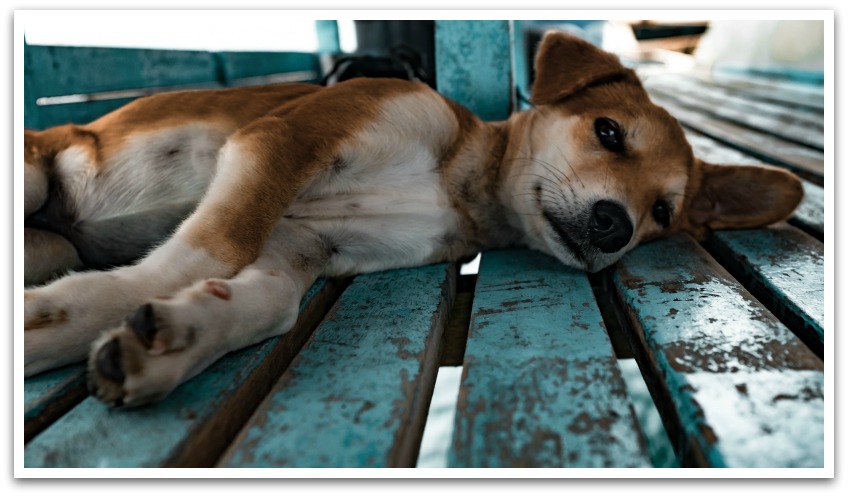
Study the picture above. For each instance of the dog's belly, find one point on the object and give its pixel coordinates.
(380, 217)
(116, 210)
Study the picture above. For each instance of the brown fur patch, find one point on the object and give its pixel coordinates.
(46, 319)
(286, 150)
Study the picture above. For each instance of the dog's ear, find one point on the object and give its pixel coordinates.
(566, 64)
(741, 196)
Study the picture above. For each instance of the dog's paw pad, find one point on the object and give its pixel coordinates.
(108, 362)
(144, 325)
(106, 374)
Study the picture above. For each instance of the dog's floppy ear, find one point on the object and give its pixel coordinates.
(741, 196)
(566, 64)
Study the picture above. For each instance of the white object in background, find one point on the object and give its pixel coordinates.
(763, 45)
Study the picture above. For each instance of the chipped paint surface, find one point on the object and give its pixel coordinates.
(94, 435)
(787, 263)
(541, 386)
(474, 66)
(49, 386)
(724, 359)
(347, 398)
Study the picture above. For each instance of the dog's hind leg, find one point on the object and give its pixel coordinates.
(169, 340)
(260, 172)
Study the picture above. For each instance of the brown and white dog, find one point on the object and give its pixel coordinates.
(288, 183)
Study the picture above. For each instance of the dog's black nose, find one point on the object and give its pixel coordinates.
(610, 228)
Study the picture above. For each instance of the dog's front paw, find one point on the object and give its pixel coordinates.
(150, 354)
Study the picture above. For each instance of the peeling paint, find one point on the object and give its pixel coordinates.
(724, 358)
(540, 386)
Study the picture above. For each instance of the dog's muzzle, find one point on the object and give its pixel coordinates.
(610, 228)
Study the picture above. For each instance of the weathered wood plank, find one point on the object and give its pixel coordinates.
(50, 395)
(745, 113)
(238, 68)
(62, 70)
(809, 215)
(737, 388)
(31, 115)
(357, 395)
(53, 71)
(784, 268)
(474, 66)
(784, 111)
(540, 386)
(193, 425)
(772, 90)
(769, 148)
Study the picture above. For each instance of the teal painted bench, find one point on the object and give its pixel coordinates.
(729, 335)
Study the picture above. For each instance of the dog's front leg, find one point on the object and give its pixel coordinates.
(169, 340)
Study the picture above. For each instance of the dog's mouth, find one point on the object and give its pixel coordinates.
(566, 240)
(572, 238)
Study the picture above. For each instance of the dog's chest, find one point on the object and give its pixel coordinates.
(379, 208)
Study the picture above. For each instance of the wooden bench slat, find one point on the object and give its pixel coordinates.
(784, 92)
(791, 112)
(541, 386)
(193, 425)
(242, 65)
(751, 115)
(474, 66)
(357, 394)
(49, 395)
(58, 70)
(810, 213)
(784, 268)
(770, 148)
(737, 388)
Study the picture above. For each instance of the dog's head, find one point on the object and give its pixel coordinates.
(603, 168)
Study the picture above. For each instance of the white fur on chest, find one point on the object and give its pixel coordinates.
(385, 205)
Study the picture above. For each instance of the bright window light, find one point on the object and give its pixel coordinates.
(179, 30)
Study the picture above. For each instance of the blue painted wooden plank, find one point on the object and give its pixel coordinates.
(53, 71)
(31, 115)
(357, 395)
(772, 149)
(193, 425)
(721, 95)
(809, 215)
(328, 36)
(239, 68)
(78, 113)
(784, 268)
(541, 386)
(750, 83)
(745, 112)
(474, 66)
(49, 395)
(61, 70)
(738, 388)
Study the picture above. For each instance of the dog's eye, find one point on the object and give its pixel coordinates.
(662, 213)
(610, 134)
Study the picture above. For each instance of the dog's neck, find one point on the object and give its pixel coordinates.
(486, 185)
